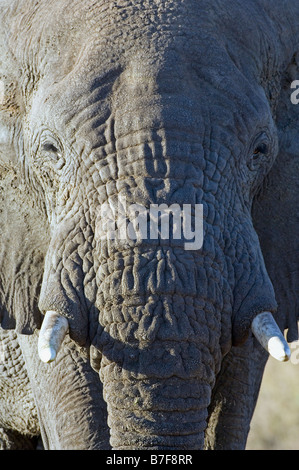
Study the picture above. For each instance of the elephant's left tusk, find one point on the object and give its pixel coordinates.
(52, 334)
(268, 334)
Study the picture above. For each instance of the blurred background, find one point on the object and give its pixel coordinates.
(275, 424)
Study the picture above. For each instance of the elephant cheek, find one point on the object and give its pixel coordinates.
(254, 294)
(63, 289)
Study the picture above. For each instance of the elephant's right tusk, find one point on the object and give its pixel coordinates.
(268, 334)
(52, 334)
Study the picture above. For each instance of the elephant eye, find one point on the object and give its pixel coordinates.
(49, 147)
(260, 151)
(50, 152)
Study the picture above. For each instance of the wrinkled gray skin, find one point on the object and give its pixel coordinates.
(160, 102)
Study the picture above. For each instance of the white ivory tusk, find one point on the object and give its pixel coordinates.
(268, 334)
(51, 336)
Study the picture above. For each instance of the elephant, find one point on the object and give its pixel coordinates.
(138, 343)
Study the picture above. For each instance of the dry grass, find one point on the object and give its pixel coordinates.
(275, 424)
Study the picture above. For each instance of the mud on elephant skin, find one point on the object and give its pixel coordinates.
(153, 103)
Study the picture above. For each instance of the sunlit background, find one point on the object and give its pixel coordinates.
(275, 424)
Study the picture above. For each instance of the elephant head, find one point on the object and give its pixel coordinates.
(184, 103)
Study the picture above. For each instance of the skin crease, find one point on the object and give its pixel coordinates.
(158, 102)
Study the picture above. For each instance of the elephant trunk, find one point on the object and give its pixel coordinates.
(155, 414)
(160, 348)
(157, 387)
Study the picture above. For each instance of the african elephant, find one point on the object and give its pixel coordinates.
(155, 103)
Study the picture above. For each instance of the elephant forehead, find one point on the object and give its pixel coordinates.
(85, 46)
(116, 26)
(104, 23)
(52, 39)
(92, 51)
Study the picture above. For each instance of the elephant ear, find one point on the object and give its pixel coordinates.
(276, 208)
(22, 249)
(23, 233)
